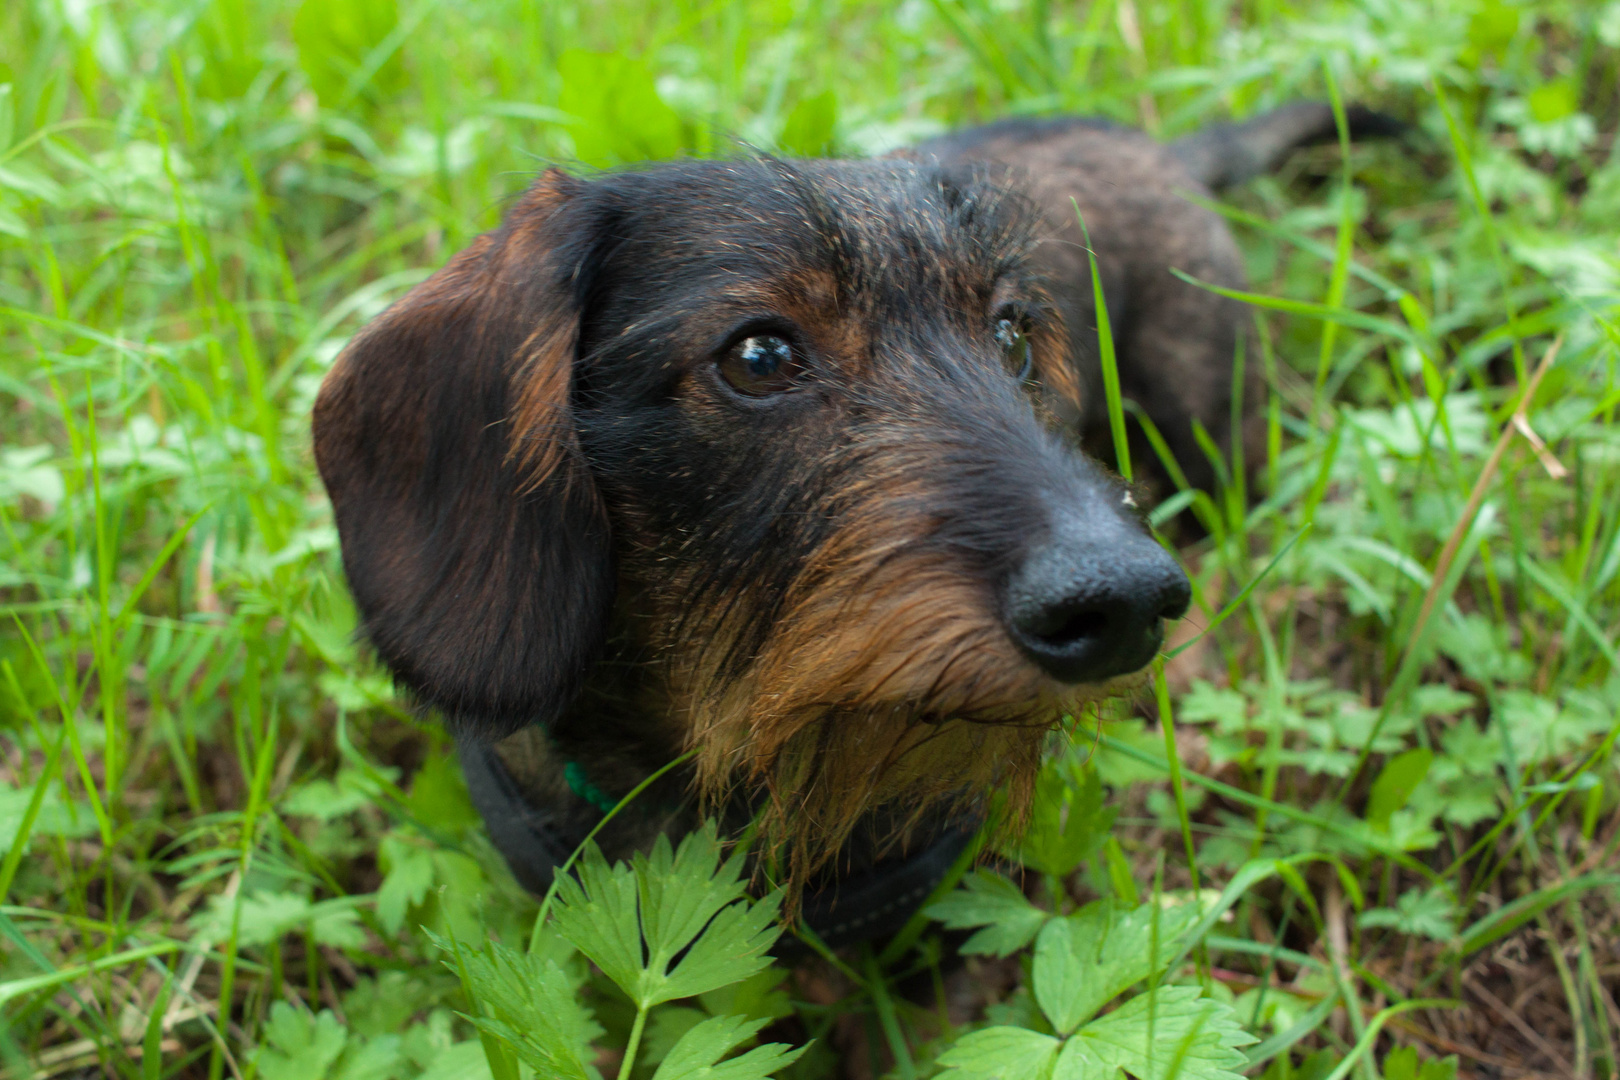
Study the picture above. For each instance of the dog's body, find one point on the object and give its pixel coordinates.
(778, 462)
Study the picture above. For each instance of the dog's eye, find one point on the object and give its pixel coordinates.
(760, 365)
(1015, 352)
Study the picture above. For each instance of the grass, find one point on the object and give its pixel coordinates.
(1392, 761)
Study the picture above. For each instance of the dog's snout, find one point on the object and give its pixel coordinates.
(1090, 602)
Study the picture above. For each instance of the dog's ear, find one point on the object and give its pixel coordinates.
(473, 535)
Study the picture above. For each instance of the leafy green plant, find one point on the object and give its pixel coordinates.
(1403, 1064)
(672, 924)
(302, 1047)
(1084, 961)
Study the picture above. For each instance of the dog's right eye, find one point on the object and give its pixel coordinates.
(760, 365)
(1013, 337)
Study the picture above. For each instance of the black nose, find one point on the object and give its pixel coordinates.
(1089, 603)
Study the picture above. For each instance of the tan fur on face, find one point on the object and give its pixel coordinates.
(1055, 369)
(887, 684)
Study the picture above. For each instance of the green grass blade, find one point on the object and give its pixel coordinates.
(1241, 598)
(25, 826)
(1508, 918)
(1105, 355)
(16, 988)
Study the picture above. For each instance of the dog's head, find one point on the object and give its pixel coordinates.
(793, 430)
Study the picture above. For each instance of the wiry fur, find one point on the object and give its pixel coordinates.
(839, 646)
(563, 529)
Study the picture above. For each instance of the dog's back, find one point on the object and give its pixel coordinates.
(1176, 342)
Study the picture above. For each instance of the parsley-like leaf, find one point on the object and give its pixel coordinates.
(697, 1055)
(989, 900)
(407, 878)
(265, 917)
(632, 921)
(1168, 1032)
(536, 1010)
(1068, 821)
(1430, 912)
(297, 1046)
(1002, 1053)
(1086, 960)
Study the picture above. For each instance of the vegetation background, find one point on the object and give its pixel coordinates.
(1378, 838)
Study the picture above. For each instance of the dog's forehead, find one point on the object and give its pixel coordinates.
(894, 222)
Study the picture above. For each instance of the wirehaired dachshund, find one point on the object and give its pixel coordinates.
(781, 462)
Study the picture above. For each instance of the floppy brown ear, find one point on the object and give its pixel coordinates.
(473, 537)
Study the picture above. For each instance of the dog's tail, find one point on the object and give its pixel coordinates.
(1222, 155)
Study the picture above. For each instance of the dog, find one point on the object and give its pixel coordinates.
(780, 462)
